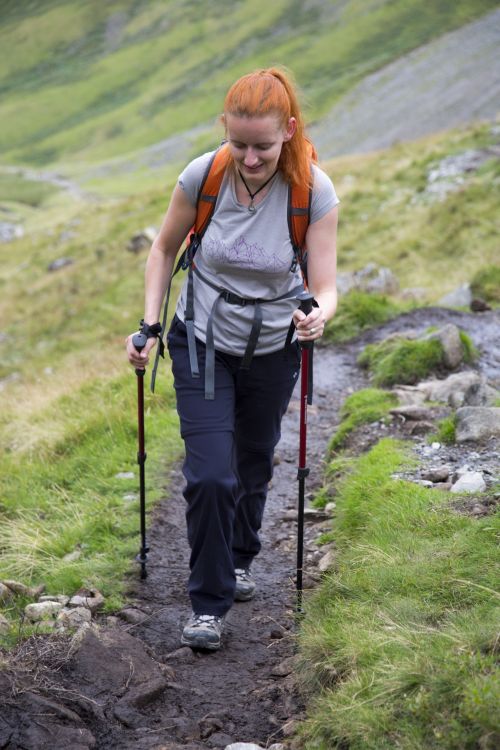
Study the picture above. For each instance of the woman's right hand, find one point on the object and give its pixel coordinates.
(139, 360)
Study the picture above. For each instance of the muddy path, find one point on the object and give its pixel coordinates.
(128, 684)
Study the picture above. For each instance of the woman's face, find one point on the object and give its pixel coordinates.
(256, 143)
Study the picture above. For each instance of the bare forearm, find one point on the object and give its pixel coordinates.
(327, 301)
(159, 267)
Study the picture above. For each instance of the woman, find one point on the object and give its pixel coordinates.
(230, 434)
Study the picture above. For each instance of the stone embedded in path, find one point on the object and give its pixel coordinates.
(471, 481)
(42, 611)
(436, 474)
(252, 746)
(73, 618)
(326, 561)
(90, 598)
(478, 423)
(412, 411)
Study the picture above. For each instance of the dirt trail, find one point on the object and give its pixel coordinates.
(128, 684)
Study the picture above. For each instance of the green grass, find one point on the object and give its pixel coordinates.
(437, 245)
(363, 407)
(61, 494)
(446, 432)
(407, 361)
(486, 284)
(399, 645)
(359, 311)
(400, 360)
(16, 189)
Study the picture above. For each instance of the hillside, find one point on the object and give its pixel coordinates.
(85, 82)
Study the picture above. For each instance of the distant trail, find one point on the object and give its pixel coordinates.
(446, 83)
(53, 178)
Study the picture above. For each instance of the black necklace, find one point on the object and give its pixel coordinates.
(251, 206)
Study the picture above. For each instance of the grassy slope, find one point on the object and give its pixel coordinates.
(399, 644)
(88, 81)
(388, 218)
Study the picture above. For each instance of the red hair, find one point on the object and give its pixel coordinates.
(271, 91)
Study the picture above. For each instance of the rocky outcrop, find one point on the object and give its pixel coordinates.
(477, 423)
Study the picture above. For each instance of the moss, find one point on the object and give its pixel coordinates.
(363, 407)
(486, 284)
(402, 361)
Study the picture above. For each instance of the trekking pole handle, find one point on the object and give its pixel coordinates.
(139, 341)
(306, 305)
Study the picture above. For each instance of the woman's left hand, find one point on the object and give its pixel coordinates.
(309, 327)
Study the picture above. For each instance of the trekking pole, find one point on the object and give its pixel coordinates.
(139, 341)
(306, 306)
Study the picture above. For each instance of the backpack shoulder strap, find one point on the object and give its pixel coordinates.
(299, 217)
(209, 189)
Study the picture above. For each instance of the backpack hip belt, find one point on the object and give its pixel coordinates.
(232, 299)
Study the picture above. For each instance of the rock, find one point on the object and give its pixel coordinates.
(182, 655)
(244, 746)
(409, 395)
(42, 611)
(436, 474)
(5, 592)
(142, 240)
(372, 278)
(61, 598)
(472, 481)
(22, 589)
(326, 561)
(72, 556)
(285, 668)
(330, 507)
(125, 475)
(90, 598)
(478, 423)
(443, 390)
(421, 428)
(130, 497)
(479, 305)
(453, 349)
(479, 394)
(459, 297)
(411, 411)
(444, 486)
(4, 625)
(74, 618)
(59, 263)
(133, 616)
(315, 514)
(9, 231)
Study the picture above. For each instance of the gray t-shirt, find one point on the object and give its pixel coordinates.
(249, 254)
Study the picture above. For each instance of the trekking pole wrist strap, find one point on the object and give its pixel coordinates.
(153, 332)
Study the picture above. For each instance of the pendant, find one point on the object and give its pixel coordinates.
(252, 208)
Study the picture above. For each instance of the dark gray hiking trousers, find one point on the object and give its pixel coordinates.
(229, 445)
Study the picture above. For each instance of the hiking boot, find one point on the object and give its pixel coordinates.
(203, 631)
(245, 585)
